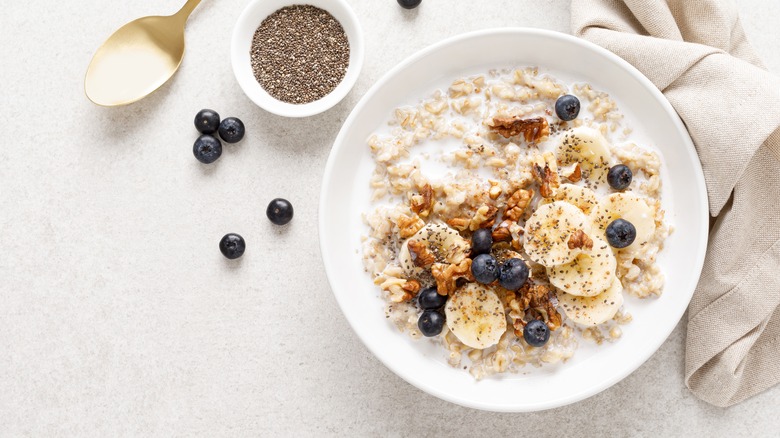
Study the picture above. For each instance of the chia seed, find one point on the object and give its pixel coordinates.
(299, 54)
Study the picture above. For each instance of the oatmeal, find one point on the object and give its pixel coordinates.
(529, 240)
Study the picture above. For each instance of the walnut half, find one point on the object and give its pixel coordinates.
(517, 203)
(533, 130)
(422, 257)
(446, 276)
(579, 239)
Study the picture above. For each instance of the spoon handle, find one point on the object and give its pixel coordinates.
(186, 10)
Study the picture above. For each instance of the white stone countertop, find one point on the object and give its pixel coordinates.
(118, 314)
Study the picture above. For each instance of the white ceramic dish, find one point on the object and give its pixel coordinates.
(345, 195)
(254, 13)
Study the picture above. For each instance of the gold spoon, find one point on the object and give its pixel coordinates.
(137, 59)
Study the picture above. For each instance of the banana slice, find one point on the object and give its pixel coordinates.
(590, 274)
(445, 243)
(548, 230)
(589, 148)
(584, 198)
(476, 316)
(630, 207)
(593, 310)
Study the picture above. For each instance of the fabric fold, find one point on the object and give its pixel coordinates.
(697, 54)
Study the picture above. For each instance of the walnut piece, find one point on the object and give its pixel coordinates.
(411, 286)
(544, 169)
(459, 224)
(573, 173)
(547, 179)
(579, 239)
(446, 276)
(533, 130)
(485, 217)
(502, 234)
(408, 226)
(422, 204)
(422, 257)
(396, 287)
(495, 190)
(517, 203)
(535, 299)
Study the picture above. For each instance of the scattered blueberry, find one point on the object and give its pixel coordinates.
(513, 273)
(232, 246)
(279, 211)
(431, 322)
(207, 148)
(409, 4)
(207, 121)
(485, 268)
(231, 130)
(567, 107)
(430, 299)
(621, 233)
(536, 333)
(481, 241)
(619, 177)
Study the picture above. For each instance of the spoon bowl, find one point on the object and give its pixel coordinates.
(137, 59)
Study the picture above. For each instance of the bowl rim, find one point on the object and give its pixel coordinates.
(523, 31)
(255, 92)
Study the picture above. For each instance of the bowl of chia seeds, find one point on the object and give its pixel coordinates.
(297, 59)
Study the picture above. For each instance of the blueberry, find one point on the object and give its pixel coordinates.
(513, 273)
(207, 121)
(485, 268)
(207, 148)
(619, 177)
(481, 241)
(232, 246)
(231, 130)
(409, 4)
(429, 299)
(536, 333)
(431, 322)
(279, 211)
(567, 107)
(621, 233)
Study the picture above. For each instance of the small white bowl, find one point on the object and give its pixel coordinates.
(254, 14)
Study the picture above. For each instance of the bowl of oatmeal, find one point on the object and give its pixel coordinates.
(522, 230)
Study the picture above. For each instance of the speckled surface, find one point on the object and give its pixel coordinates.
(119, 316)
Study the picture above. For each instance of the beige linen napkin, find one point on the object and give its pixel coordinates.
(697, 54)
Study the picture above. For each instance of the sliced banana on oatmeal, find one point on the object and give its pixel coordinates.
(549, 230)
(434, 243)
(589, 274)
(582, 197)
(630, 207)
(593, 310)
(590, 149)
(476, 316)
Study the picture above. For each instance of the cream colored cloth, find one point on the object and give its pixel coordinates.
(696, 52)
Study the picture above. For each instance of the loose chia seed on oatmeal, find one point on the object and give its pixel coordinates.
(300, 54)
(539, 186)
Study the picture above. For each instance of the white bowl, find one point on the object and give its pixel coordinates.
(346, 194)
(254, 14)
